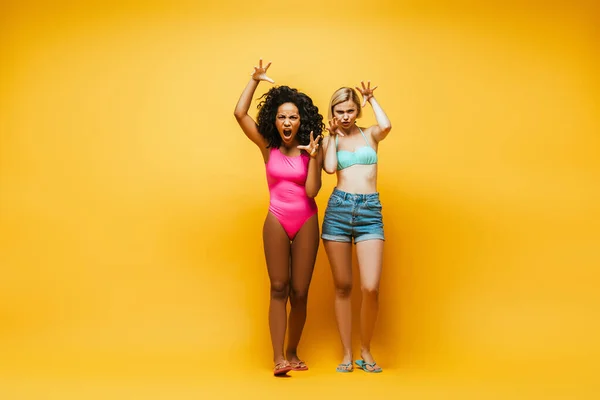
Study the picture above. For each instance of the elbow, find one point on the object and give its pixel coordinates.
(329, 169)
(238, 114)
(312, 192)
(386, 128)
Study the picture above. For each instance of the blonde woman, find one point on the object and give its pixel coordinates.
(354, 214)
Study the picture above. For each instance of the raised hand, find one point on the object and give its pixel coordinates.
(366, 91)
(260, 72)
(334, 128)
(313, 147)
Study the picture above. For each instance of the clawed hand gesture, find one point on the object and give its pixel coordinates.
(313, 147)
(260, 72)
(366, 91)
(334, 127)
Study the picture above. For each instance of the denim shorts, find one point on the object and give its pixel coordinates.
(352, 216)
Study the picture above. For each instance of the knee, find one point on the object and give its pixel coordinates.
(298, 297)
(279, 290)
(343, 289)
(370, 292)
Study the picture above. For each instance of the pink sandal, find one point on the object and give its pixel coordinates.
(282, 368)
(299, 366)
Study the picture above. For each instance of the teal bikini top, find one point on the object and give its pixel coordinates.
(363, 155)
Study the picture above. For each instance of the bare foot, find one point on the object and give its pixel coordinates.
(347, 358)
(369, 360)
(366, 355)
(346, 364)
(281, 368)
(296, 363)
(292, 356)
(345, 367)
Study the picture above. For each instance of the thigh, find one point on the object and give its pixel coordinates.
(304, 254)
(277, 250)
(340, 260)
(370, 262)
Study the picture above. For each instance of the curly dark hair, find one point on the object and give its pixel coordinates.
(310, 119)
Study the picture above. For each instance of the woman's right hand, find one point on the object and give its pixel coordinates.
(366, 92)
(260, 72)
(313, 147)
(334, 128)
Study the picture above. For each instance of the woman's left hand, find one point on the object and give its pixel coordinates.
(366, 91)
(313, 147)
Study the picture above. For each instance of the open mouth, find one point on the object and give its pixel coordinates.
(287, 133)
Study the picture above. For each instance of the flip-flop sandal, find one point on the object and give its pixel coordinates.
(299, 366)
(282, 368)
(365, 366)
(345, 368)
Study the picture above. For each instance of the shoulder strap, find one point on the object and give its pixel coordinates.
(364, 136)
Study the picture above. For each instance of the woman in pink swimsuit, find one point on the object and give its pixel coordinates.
(287, 133)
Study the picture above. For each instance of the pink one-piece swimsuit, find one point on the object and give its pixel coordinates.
(286, 177)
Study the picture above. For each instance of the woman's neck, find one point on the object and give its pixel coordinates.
(289, 149)
(353, 129)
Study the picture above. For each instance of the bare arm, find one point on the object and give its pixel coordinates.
(313, 179)
(383, 127)
(245, 121)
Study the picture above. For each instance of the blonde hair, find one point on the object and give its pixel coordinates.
(341, 95)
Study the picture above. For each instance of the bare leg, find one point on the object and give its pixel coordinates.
(304, 254)
(370, 262)
(340, 259)
(277, 254)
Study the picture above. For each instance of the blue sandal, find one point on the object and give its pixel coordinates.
(344, 368)
(365, 366)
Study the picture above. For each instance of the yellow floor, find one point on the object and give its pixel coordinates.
(193, 377)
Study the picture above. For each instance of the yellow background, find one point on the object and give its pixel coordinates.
(131, 204)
